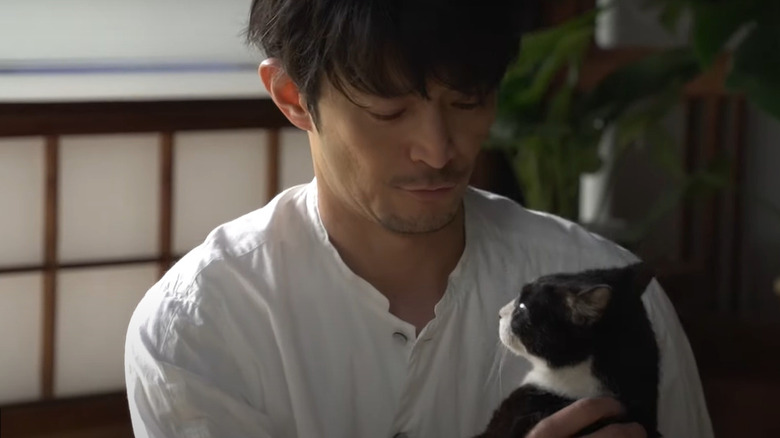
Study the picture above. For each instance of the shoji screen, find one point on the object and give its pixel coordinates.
(119, 207)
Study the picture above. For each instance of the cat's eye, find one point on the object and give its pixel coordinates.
(522, 306)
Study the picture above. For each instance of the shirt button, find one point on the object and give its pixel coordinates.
(401, 338)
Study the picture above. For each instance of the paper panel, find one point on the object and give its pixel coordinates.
(94, 307)
(20, 324)
(109, 196)
(22, 184)
(296, 165)
(218, 177)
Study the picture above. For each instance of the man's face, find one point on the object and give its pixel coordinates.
(404, 162)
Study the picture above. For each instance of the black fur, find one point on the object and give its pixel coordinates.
(570, 317)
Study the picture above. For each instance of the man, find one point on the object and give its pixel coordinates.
(365, 304)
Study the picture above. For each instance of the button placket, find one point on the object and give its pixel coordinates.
(400, 337)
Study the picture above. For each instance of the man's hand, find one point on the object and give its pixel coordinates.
(582, 413)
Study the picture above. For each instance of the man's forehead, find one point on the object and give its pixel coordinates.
(433, 89)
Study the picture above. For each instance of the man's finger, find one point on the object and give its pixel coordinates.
(622, 430)
(576, 417)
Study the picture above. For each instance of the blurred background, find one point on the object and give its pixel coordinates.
(130, 129)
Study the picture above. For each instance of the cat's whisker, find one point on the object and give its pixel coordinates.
(500, 345)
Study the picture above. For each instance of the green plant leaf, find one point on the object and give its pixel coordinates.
(669, 12)
(571, 46)
(636, 122)
(649, 76)
(670, 15)
(543, 56)
(715, 23)
(537, 46)
(756, 69)
(560, 104)
(528, 169)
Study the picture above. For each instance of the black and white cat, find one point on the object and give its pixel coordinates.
(586, 334)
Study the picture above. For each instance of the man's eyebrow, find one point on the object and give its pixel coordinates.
(357, 101)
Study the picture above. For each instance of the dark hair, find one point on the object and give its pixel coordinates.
(390, 47)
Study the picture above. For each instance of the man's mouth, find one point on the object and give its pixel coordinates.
(431, 192)
(430, 188)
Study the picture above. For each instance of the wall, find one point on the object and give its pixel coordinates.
(82, 30)
(121, 49)
(761, 259)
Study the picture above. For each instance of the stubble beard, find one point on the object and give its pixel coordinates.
(422, 225)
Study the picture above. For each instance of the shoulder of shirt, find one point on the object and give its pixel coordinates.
(233, 243)
(509, 225)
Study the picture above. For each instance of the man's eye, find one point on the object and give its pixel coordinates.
(387, 117)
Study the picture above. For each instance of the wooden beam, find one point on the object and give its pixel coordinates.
(559, 11)
(712, 82)
(33, 119)
(166, 201)
(51, 209)
(600, 63)
(710, 226)
(690, 148)
(102, 415)
(86, 264)
(737, 178)
(273, 163)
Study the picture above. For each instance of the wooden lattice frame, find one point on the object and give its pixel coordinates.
(52, 120)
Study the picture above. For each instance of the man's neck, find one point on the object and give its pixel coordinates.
(411, 270)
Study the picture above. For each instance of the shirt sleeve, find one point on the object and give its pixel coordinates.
(682, 409)
(182, 382)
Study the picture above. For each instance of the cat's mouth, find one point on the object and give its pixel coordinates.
(505, 334)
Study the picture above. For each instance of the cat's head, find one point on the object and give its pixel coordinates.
(555, 318)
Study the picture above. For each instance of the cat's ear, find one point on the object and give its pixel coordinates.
(588, 305)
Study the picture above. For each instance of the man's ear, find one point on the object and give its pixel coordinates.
(285, 93)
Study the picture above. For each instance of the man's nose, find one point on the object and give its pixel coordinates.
(434, 145)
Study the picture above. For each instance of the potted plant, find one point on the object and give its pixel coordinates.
(551, 128)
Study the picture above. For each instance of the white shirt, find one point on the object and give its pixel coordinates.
(263, 331)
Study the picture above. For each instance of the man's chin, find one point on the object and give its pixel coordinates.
(423, 224)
